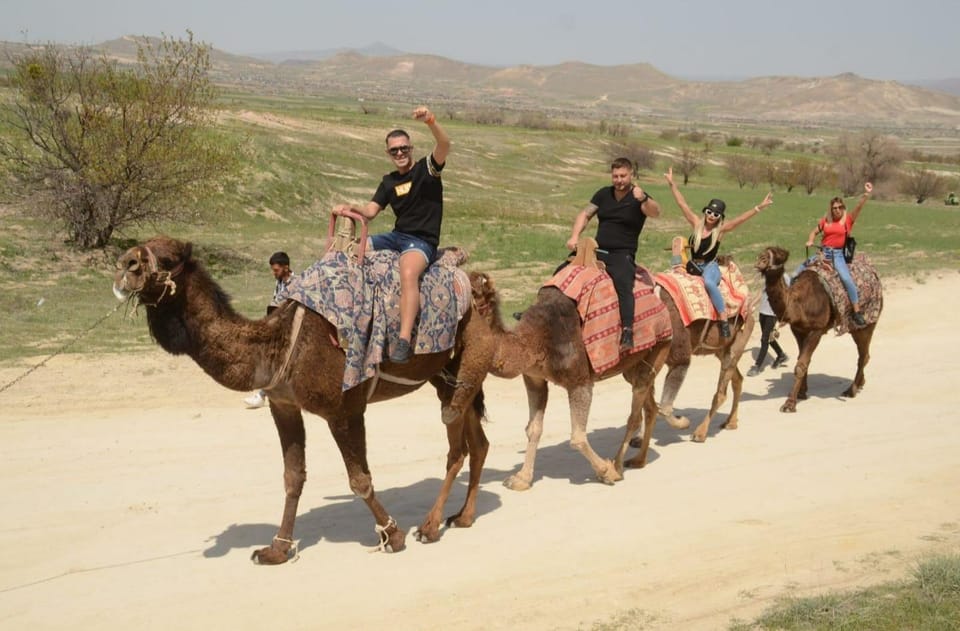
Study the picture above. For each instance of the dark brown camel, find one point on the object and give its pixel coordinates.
(702, 337)
(806, 306)
(187, 313)
(547, 346)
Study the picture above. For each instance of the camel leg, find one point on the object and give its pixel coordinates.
(737, 349)
(537, 403)
(581, 397)
(429, 530)
(478, 445)
(289, 422)
(350, 435)
(719, 397)
(644, 402)
(676, 374)
(862, 337)
(810, 342)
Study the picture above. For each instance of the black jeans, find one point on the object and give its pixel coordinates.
(623, 270)
(767, 322)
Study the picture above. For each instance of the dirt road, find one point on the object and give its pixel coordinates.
(134, 490)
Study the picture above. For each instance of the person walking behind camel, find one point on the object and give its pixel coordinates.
(415, 192)
(280, 266)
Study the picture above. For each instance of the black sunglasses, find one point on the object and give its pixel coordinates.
(396, 151)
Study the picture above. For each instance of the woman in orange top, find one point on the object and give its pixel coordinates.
(835, 226)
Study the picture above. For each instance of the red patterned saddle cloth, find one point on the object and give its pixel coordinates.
(692, 300)
(599, 311)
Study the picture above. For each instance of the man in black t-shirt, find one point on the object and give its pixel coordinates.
(621, 210)
(415, 192)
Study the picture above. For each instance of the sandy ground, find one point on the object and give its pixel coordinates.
(133, 490)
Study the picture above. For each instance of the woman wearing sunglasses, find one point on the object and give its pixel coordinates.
(708, 230)
(835, 226)
(415, 192)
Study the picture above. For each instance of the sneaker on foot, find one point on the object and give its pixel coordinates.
(780, 361)
(626, 340)
(754, 371)
(402, 352)
(255, 400)
(858, 319)
(724, 328)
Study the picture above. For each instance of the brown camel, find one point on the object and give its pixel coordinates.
(292, 354)
(702, 337)
(547, 346)
(806, 306)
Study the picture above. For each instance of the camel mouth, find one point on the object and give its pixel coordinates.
(121, 294)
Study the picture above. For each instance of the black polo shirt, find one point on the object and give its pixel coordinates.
(620, 221)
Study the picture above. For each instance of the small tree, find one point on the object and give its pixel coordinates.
(741, 169)
(689, 162)
(640, 155)
(809, 174)
(101, 146)
(867, 157)
(922, 183)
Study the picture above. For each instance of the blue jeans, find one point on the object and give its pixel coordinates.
(835, 255)
(711, 280)
(403, 243)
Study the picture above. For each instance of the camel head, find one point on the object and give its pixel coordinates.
(150, 271)
(771, 261)
(485, 299)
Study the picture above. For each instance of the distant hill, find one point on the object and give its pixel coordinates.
(381, 72)
(377, 49)
(950, 86)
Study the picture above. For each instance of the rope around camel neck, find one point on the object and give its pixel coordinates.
(63, 348)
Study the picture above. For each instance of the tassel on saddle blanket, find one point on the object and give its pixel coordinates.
(692, 300)
(868, 287)
(363, 303)
(599, 311)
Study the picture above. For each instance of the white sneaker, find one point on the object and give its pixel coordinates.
(255, 400)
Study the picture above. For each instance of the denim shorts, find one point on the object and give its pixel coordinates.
(403, 243)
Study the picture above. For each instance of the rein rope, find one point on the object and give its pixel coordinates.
(63, 348)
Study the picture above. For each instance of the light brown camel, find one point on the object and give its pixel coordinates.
(188, 313)
(702, 337)
(806, 306)
(547, 346)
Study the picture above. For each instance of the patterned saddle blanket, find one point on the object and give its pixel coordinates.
(363, 303)
(690, 294)
(599, 311)
(868, 285)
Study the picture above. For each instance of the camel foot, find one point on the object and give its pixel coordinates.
(677, 422)
(516, 483)
(392, 539)
(275, 554)
(730, 423)
(802, 396)
(851, 391)
(428, 532)
(699, 437)
(789, 406)
(459, 521)
(635, 463)
(609, 475)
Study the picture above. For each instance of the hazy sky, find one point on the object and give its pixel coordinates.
(919, 39)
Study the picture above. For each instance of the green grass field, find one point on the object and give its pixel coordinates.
(511, 196)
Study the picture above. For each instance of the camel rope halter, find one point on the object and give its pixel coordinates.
(164, 277)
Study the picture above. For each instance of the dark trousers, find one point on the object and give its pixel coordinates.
(622, 269)
(767, 322)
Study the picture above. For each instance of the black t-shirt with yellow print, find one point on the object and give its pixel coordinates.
(416, 198)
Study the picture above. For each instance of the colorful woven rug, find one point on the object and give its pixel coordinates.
(868, 287)
(692, 300)
(599, 311)
(363, 303)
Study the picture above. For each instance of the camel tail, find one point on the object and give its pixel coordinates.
(479, 406)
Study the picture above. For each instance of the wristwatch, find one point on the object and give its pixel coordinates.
(645, 197)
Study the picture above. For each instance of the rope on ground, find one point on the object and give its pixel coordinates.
(62, 349)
